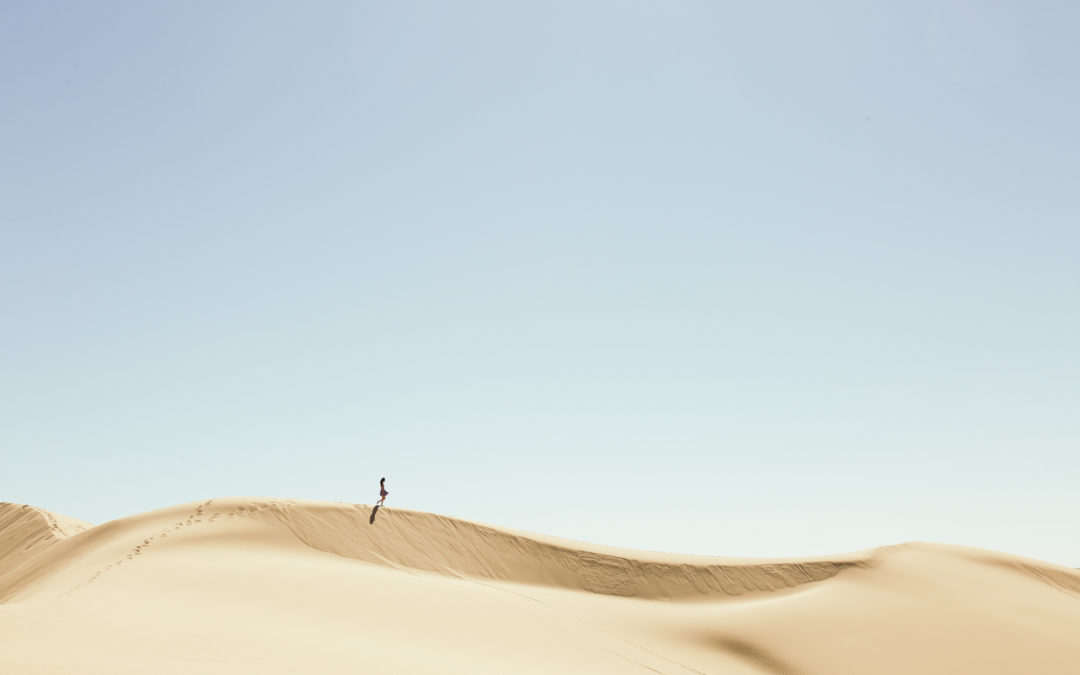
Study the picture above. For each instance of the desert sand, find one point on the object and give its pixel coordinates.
(243, 585)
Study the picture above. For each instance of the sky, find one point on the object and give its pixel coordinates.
(740, 278)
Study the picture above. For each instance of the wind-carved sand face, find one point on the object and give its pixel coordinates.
(241, 585)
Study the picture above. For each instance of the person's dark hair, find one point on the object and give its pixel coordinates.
(382, 480)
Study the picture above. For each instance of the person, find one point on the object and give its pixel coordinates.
(382, 491)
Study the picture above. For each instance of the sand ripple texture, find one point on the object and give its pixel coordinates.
(241, 585)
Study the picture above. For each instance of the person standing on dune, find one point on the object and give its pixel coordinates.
(382, 491)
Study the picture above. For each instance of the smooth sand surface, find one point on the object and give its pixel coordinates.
(284, 586)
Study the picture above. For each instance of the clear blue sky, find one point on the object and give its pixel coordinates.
(735, 278)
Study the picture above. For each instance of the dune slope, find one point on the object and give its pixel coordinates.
(248, 585)
(27, 536)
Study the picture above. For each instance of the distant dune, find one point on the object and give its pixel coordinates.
(284, 586)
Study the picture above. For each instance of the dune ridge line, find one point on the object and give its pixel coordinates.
(35, 543)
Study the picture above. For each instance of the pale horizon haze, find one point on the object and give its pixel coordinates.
(724, 278)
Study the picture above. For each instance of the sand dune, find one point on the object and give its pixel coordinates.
(27, 535)
(283, 586)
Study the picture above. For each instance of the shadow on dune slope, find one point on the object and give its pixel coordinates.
(60, 555)
(435, 543)
(27, 537)
(396, 538)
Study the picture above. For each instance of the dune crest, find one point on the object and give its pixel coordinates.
(27, 534)
(402, 539)
(278, 586)
(429, 542)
